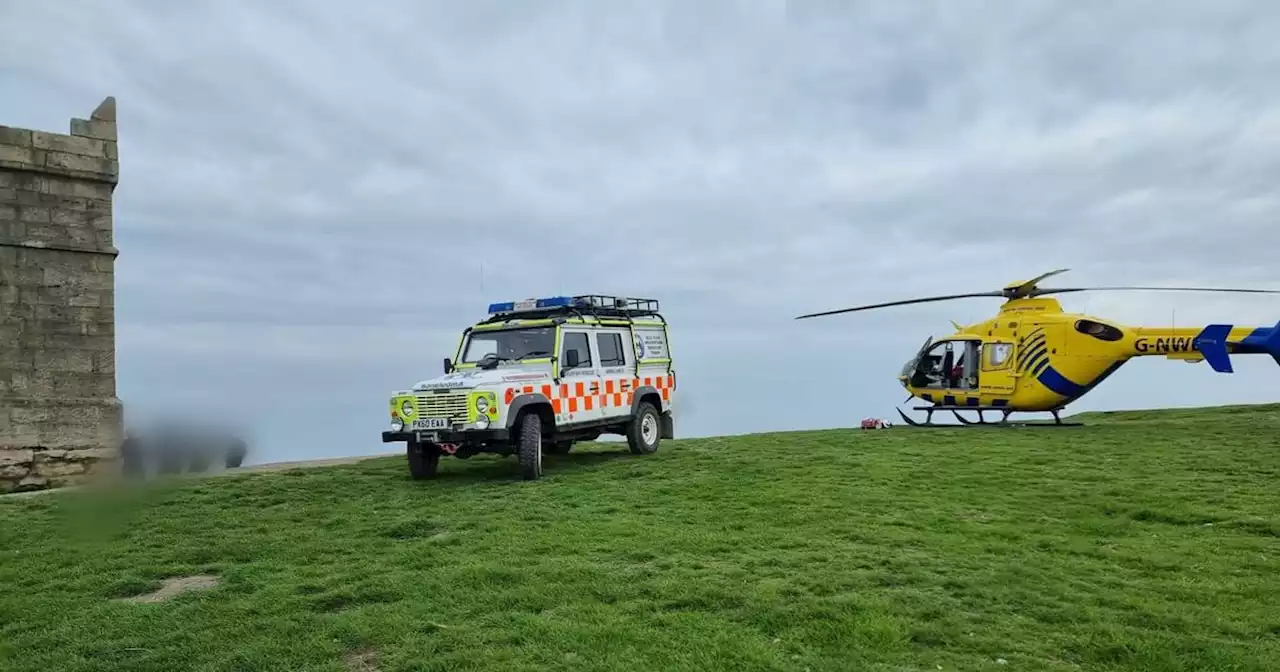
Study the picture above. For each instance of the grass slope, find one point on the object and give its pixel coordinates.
(1145, 542)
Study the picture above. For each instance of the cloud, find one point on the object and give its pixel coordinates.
(317, 196)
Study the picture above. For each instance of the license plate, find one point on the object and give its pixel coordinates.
(430, 423)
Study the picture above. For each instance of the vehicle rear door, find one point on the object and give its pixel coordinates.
(617, 365)
(580, 385)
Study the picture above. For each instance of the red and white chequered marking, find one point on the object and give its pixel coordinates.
(585, 396)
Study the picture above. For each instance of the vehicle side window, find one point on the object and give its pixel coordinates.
(576, 340)
(610, 347)
(996, 355)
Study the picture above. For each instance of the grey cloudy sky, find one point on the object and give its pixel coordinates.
(309, 188)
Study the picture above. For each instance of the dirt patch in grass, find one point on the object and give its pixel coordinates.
(176, 586)
(363, 660)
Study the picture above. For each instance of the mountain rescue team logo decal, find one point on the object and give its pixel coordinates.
(640, 353)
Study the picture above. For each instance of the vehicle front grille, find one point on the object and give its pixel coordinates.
(452, 406)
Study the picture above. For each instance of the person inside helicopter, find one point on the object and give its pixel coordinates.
(927, 372)
(941, 369)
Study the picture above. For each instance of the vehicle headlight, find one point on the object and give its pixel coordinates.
(406, 407)
(482, 422)
(482, 404)
(397, 424)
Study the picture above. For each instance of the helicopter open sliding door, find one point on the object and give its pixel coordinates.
(950, 366)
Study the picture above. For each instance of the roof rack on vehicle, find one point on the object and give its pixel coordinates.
(596, 305)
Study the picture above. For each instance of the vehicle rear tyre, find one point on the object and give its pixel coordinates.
(424, 460)
(530, 447)
(644, 433)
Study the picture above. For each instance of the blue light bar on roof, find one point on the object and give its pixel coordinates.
(531, 304)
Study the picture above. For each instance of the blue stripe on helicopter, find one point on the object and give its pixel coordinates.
(1030, 346)
(1038, 331)
(927, 397)
(971, 401)
(1061, 385)
(949, 400)
(1031, 350)
(1034, 368)
(1032, 355)
(999, 402)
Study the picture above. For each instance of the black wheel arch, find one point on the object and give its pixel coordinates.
(535, 403)
(649, 394)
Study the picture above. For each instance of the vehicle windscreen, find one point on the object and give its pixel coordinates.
(510, 344)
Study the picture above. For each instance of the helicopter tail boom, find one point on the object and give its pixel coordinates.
(1217, 341)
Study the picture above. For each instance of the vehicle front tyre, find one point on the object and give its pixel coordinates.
(644, 433)
(529, 446)
(424, 460)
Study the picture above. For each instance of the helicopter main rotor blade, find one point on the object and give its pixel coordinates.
(903, 303)
(1030, 285)
(1019, 292)
(1233, 290)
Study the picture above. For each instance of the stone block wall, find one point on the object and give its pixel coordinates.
(60, 420)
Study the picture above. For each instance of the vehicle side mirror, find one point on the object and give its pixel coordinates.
(570, 359)
(448, 365)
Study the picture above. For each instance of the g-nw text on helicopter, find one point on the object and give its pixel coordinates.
(1170, 344)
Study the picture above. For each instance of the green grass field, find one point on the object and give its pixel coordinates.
(1146, 541)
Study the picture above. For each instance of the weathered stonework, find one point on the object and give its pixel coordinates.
(60, 420)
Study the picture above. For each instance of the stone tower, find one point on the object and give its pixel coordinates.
(60, 420)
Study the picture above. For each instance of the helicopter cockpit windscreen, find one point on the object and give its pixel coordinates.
(909, 369)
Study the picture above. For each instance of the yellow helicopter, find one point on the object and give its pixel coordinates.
(1032, 357)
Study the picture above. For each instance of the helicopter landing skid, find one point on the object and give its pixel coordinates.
(982, 420)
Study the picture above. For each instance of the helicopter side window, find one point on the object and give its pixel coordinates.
(997, 355)
(1098, 330)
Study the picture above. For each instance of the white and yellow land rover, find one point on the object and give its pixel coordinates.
(538, 375)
